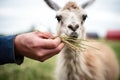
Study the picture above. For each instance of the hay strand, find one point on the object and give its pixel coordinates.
(75, 43)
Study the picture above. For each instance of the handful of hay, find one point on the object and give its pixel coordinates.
(75, 43)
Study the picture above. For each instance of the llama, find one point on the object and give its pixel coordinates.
(90, 64)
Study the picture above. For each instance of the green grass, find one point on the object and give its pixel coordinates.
(29, 70)
(116, 47)
(34, 70)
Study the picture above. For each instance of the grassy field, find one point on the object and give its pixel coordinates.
(116, 47)
(29, 70)
(34, 70)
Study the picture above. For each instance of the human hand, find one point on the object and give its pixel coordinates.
(37, 45)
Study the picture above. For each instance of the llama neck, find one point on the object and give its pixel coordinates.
(69, 53)
(74, 64)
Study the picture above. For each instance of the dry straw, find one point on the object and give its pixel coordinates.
(75, 43)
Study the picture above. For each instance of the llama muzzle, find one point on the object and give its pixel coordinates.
(74, 35)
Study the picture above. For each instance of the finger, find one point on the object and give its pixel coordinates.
(49, 43)
(45, 35)
(49, 34)
(51, 52)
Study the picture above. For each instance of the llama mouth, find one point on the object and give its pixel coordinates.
(74, 35)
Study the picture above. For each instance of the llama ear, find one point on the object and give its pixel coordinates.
(52, 5)
(88, 3)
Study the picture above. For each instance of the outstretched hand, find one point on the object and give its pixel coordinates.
(37, 45)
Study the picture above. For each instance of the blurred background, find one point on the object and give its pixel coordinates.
(19, 16)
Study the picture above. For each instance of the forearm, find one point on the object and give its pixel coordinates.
(8, 54)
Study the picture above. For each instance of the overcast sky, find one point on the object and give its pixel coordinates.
(19, 15)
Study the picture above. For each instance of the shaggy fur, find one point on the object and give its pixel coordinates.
(71, 5)
(90, 64)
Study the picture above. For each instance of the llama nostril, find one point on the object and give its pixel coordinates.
(76, 26)
(73, 28)
(70, 26)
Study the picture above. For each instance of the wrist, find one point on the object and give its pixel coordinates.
(17, 44)
(18, 56)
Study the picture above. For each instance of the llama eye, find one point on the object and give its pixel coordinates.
(59, 17)
(84, 17)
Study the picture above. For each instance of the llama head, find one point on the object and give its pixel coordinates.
(70, 18)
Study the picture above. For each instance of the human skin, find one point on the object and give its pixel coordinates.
(37, 45)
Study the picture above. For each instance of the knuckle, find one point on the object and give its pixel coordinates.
(33, 44)
(54, 44)
(40, 57)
